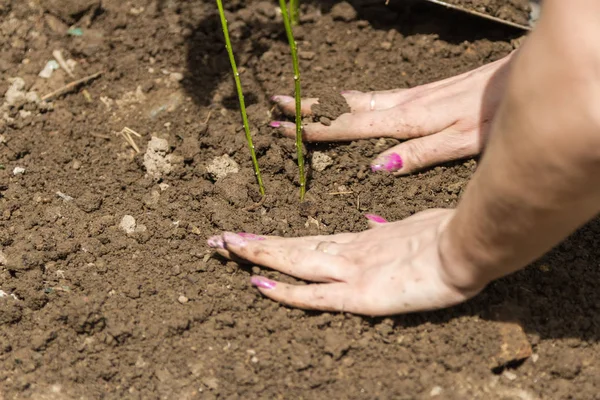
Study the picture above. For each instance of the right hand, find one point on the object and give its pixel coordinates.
(441, 121)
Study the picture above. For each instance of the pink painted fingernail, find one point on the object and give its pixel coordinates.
(216, 242)
(282, 99)
(250, 236)
(282, 124)
(376, 218)
(234, 240)
(388, 162)
(262, 282)
(349, 91)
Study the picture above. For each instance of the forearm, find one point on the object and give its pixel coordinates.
(539, 178)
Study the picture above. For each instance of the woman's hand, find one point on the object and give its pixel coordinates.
(392, 268)
(440, 121)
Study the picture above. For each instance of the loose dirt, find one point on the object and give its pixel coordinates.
(108, 287)
(511, 10)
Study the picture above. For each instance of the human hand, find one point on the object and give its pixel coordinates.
(441, 121)
(390, 269)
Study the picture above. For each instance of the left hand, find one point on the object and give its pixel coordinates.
(389, 269)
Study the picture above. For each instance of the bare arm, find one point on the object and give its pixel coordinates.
(539, 178)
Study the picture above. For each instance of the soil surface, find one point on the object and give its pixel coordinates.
(108, 287)
(511, 10)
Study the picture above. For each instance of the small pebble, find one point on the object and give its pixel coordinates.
(222, 166)
(436, 391)
(306, 55)
(76, 164)
(176, 76)
(343, 11)
(320, 161)
(182, 299)
(511, 376)
(128, 224)
(18, 171)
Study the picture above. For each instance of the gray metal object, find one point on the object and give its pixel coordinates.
(535, 10)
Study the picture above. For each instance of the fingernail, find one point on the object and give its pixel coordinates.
(389, 162)
(349, 91)
(262, 282)
(282, 99)
(376, 218)
(233, 239)
(250, 236)
(216, 242)
(282, 124)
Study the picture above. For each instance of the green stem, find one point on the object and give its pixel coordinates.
(294, 4)
(294, 51)
(238, 86)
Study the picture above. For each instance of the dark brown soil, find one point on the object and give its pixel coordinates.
(330, 106)
(101, 313)
(511, 10)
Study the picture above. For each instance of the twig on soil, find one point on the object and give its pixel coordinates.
(126, 134)
(87, 95)
(57, 54)
(256, 206)
(338, 193)
(72, 85)
(208, 117)
(294, 50)
(238, 87)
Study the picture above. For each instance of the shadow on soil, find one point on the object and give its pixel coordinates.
(208, 63)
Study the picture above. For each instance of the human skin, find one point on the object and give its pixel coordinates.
(538, 181)
(441, 121)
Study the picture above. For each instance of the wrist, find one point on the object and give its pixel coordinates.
(459, 268)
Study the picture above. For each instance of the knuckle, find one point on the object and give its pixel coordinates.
(415, 154)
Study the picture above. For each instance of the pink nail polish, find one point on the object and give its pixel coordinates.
(262, 282)
(231, 239)
(274, 124)
(349, 91)
(376, 218)
(216, 242)
(250, 236)
(388, 162)
(282, 99)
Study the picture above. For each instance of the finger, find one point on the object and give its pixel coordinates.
(375, 220)
(307, 242)
(324, 297)
(357, 101)
(287, 104)
(420, 153)
(289, 259)
(403, 122)
(374, 101)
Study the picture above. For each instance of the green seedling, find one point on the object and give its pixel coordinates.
(294, 50)
(238, 86)
(294, 13)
